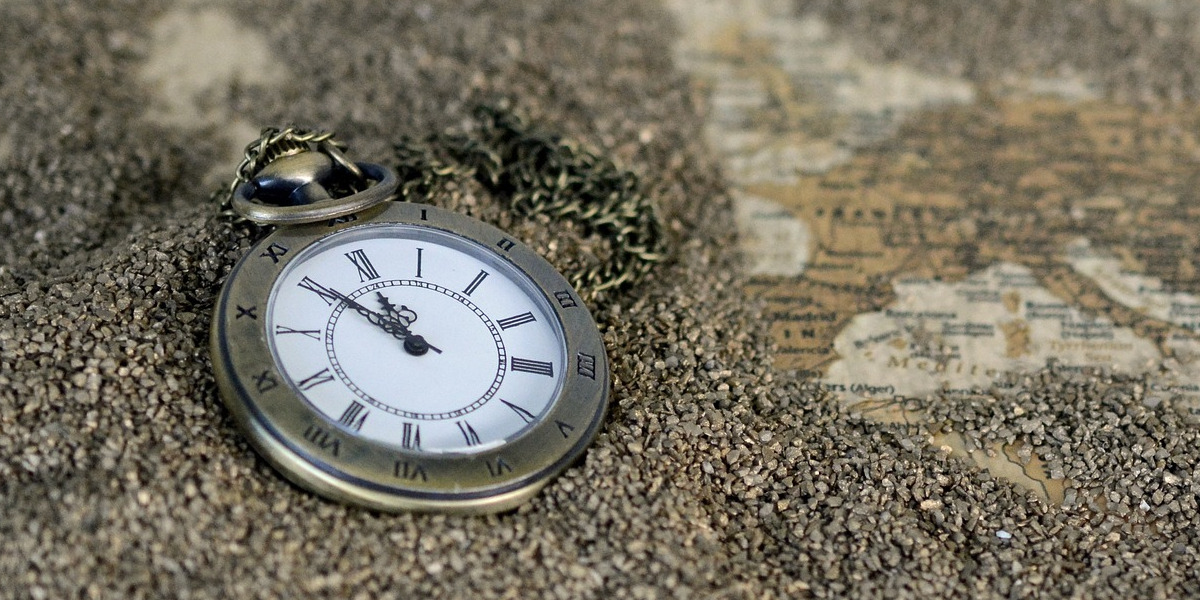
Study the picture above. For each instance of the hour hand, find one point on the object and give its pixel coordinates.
(387, 304)
(413, 344)
(404, 314)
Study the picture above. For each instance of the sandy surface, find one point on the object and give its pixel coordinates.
(122, 474)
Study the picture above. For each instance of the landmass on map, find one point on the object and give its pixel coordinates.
(915, 235)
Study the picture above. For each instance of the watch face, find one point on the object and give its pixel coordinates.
(409, 358)
(417, 338)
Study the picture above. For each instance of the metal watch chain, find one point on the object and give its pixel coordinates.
(293, 176)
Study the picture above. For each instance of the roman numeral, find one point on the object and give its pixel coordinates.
(468, 433)
(405, 470)
(251, 313)
(420, 251)
(536, 367)
(410, 436)
(526, 416)
(315, 379)
(326, 294)
(506, 244)
(564, 428)
(366, 270)
(498, 468)
(274, 252)
(322, 439)
(354, 416)
(587, 365)
(475, 282)
(264, 382)
(310, 333)
(516, 320)
(565, 299)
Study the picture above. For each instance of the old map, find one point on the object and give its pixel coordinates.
(919, 236)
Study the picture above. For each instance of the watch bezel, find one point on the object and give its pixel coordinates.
(309, 447)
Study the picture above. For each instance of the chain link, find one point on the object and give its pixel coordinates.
(543, 174)
(272, 143)
(539, 173)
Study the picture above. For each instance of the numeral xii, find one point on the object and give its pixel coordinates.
(366, 270)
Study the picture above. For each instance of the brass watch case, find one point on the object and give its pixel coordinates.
(312, 451)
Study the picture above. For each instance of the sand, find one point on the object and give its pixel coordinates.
(122, 475)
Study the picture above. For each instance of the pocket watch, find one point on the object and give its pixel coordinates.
(397, 355)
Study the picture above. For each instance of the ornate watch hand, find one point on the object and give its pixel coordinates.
(404, 314)
(413, 344)
(387, 304)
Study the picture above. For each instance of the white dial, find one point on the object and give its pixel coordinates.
(417, 338)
